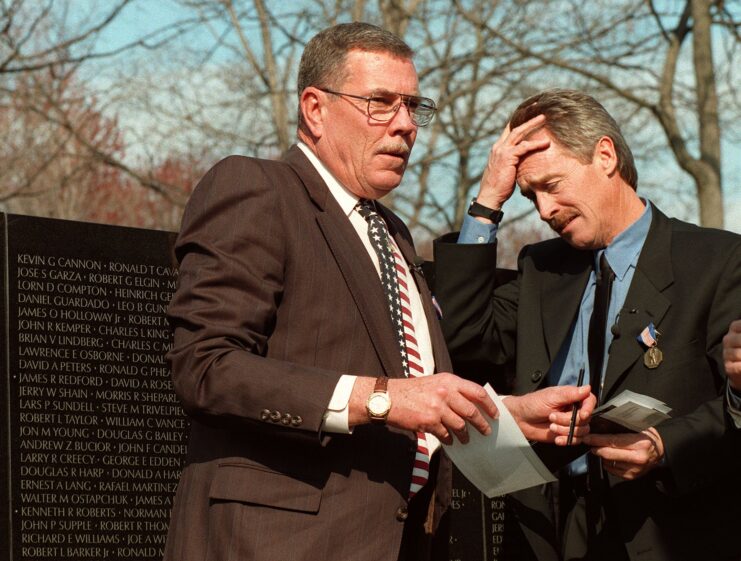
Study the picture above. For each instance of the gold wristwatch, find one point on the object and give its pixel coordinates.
(379, 402)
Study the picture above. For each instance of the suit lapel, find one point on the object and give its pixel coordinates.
(353, 262)
(645, 302)
(561, 297)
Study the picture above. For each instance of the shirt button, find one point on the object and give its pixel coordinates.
(402, 514)
(265, 414)
(286, 420)
(536, 376)
(296, 421)
(275, 416)
(480, 239)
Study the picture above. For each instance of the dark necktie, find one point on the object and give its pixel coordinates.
(395, 287)
(598, 325)
(596, 352)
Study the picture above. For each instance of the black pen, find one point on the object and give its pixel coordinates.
(575, 411)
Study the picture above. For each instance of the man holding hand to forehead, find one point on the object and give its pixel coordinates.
(636, 300)
(305, 341)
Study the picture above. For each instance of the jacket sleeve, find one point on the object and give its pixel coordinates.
(233, 254)
(479, 312)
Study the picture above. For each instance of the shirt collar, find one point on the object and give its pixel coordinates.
(344, 198)
(626, 247)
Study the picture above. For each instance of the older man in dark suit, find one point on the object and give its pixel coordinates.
(305, 338)
(634, 299)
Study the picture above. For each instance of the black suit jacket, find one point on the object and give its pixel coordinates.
(277, 299)
(688, 283)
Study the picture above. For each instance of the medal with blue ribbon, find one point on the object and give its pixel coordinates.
(649, 338)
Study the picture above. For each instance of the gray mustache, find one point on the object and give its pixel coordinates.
(401, 150)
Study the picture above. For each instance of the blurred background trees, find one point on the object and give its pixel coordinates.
(111, 110)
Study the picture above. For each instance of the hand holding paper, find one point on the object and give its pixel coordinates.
(628, 455)
(503, 461)
(624, 437)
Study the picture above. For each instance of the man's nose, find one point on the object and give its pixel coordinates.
(545, 206)
(402, 121)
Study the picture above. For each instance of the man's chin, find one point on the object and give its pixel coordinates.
(578, 243)
(377, 191)
(386, 183)
(570, 234)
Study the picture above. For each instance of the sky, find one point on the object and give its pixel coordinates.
(140, 18)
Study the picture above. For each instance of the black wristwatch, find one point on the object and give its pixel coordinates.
(476, 209)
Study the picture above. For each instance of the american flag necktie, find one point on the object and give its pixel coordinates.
(395, 283)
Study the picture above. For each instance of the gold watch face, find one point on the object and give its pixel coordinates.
(379, 404)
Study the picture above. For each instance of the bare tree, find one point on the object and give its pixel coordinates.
(35, 35)
(63, 135)
(235, 87)
(44, 168)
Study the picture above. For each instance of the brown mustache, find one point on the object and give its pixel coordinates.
(558, 222)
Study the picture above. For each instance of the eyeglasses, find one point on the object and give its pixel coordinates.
(383, 106)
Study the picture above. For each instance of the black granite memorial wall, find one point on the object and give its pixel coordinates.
(92, 438)
(476, 527)
(92, 435)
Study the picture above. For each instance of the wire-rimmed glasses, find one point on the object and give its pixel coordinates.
(383, 106)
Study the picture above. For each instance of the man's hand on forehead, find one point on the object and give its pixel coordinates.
(498, 179)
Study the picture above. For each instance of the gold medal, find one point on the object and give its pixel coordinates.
(653, 357)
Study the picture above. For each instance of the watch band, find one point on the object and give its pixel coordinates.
(477, 209)
(382, 384)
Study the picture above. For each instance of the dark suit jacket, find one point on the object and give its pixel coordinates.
(277, 298)
(688, 283)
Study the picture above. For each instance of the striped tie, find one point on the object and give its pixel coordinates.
(395, 281)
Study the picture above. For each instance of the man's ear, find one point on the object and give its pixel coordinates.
(605, 156)
(310, 105)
